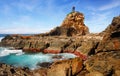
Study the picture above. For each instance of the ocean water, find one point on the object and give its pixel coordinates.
(18, 58)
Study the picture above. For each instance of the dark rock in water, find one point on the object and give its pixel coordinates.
(45, 64)
(57, 57)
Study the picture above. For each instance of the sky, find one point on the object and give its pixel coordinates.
(39, 16)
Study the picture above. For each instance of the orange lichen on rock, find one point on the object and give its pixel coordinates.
(32, 50)
(26, 37)
(51, 51)
(84, 57)
(116, 44)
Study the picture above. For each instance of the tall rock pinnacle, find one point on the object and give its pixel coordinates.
(72, 25)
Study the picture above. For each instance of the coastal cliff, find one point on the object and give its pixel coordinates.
(98, 54)
(69, 37)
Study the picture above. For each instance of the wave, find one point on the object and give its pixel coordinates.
(6, 51)
(18, 58)
(1, 38)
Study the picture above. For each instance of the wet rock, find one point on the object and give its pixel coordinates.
(57, 57)
(44, 65)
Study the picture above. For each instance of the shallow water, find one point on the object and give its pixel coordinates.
(20, 59)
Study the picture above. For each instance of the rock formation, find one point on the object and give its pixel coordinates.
(111, 39)
(105, 63)
(54, 44)
(106, 60)
(62, 68)
(100, 52)
(72, 25)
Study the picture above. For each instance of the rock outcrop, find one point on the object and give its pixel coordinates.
(55, 44)
(58, 40)
(7, 70)
(68, 67)
(111, 39)
(101, 52)
(71, 26)
(104, 63)
(106, 60)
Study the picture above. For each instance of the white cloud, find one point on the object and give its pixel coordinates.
(113, 4)
(23, 30)
(98, 22)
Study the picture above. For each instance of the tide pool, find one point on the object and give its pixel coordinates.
(18, 58)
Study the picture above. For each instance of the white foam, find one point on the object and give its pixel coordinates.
(1, 38)
(7, 52)
(20, 53)
(29, 60)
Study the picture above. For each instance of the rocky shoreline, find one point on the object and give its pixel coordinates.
(98, 54)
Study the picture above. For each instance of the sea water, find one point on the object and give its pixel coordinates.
(18, 58)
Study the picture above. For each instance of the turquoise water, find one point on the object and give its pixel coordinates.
(18, 58)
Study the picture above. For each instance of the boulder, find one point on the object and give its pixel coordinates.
(65, 67)
(87, 47)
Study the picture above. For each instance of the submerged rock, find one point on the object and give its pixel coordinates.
(45, 64)
(57, 57)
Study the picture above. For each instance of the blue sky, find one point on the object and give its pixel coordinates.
(37, 16)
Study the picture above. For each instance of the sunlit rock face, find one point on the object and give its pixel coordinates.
(72, 25)
(111, 39)
(106, 63)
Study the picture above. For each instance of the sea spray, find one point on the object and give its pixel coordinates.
(1, 38)
(6, 51)
(19, 59)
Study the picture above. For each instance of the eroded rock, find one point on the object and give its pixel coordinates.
(111, 39)
(105, 62)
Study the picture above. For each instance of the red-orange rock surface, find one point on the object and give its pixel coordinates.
(65, 68)
(72, 25)
(76, 20)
